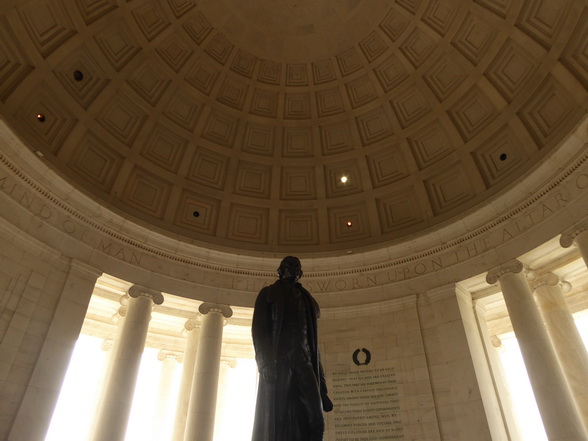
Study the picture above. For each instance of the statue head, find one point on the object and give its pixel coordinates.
(290, 269)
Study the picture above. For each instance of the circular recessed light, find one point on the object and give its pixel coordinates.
(344, 179)
(503, 157)
(196, 214)
(78, 75)
(40, 117)
(349, 223)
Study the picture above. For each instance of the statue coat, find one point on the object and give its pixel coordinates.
(265, 329)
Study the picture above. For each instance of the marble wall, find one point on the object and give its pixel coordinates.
(399, 302)
(409, 358)
(43, 300)
(30, 289)
(419, 381)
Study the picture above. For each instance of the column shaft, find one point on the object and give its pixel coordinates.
(201, 411)
(115, 405)
(161, 428)
(558, 411)
(221, 419)
(498, 376)
(566, 340)
(186, 381)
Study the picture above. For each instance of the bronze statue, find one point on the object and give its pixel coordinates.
(292, 393)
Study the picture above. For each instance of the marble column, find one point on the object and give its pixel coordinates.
(201, 411)
(492, 346)
(115, 404)
(577, 236)
(222, 418)
(559, 414)
(161, 427)
(110, 343)
(479, 359)
(566, 338)
(192, 327)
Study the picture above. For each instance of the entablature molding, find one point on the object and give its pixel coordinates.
(78, 227)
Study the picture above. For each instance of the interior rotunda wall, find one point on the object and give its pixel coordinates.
(419, 381)
(57, 242)
(187, 146)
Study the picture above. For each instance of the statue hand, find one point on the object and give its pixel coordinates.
(327, 403)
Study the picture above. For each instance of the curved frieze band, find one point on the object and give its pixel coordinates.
(551, 199)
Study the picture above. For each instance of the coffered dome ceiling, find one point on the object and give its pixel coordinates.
(231, 122)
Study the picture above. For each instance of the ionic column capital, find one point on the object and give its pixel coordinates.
(495, 341)
(230, 362)
(136, 291)
(514, 266)
(207, 307)
(192, 323)
(548, 279)
(551, 279)
(172, 355)
(568, 237)
(107, 344)
(120, 312)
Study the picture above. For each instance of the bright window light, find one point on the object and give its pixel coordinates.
(80, 391)
(156, 394)
(152, 413)
(523, 400)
